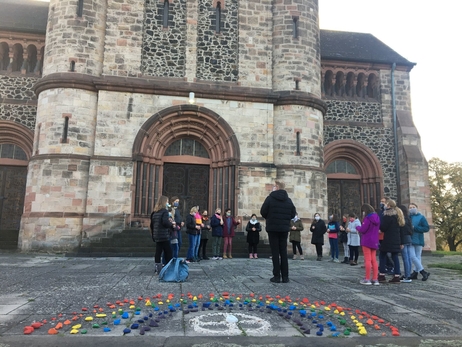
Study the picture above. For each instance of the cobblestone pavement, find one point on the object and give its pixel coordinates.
(119, 301)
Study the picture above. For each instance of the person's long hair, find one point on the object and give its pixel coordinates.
(401, 220)
(161, 203)
(367, 209)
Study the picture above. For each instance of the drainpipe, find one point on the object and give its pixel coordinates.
(395, 134)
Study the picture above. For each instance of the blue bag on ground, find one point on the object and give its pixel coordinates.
(177, 270)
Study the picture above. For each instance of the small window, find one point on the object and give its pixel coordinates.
(65, 130)
(165, 14)
(187, 147)
(298, 144)
(341, 166)
(80, 8)
(10, 151)
(218, 18)
(295, 32)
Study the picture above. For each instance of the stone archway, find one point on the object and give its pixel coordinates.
(369, 170)
(185, 121)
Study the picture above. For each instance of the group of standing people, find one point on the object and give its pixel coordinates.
(392, 231)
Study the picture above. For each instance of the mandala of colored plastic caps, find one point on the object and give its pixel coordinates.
(229, 324)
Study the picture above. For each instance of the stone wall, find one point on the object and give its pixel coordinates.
(217, 53)
(75, 39)
(164, 48)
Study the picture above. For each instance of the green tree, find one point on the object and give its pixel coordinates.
(446, 200)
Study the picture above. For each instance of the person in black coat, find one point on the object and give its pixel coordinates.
(161, 228)
(390, 226)
(253, 235)
(318, 229)
(278, 210)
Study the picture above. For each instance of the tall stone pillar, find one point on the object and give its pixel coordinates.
(57, 182)
(298, 114)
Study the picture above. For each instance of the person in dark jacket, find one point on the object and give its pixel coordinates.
(253, 229)
(204, 235)
(161, 227)
(216, 222)
(318, 229)
(390, 226)
(406, 234)
(178, 220)
(296, 228)
(278, 210)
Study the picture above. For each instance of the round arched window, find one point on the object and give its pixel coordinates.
(10, 151)
(341, 166)
(187, 147)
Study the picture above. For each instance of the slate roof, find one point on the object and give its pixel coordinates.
(358, 47)
(31, 16)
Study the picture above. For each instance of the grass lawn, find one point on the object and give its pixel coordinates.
(446, 253)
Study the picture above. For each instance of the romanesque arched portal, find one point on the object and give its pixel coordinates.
(194, 123)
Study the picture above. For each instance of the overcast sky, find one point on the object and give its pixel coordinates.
(424, 32)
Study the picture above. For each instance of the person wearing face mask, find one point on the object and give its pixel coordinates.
(278, 209)
(333, 228)
(216, 222)
(229, 226)
(343, 239)
(193, 230)
(318, 229)
(253, 229)
(296, 227)
(161, 227)
(421, 226)
(353, 238)
(204, 235)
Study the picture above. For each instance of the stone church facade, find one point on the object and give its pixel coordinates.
(118, 102)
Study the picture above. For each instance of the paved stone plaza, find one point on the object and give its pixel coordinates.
(119, 301)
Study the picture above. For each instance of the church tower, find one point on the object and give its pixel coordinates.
(58, 175)
(298, 113)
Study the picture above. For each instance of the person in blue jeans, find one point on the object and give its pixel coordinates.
(407, 245)
(333, 228)
(193, 230)
(421, 226)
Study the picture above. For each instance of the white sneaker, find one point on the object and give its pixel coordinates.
(220, 258)
(336, 260)
(365, 282)
(215, 258)
(375, 283)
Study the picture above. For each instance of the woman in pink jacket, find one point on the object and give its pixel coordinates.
(369, 231)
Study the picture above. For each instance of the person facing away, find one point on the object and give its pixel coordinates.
(174, 233)
(216, 222)
(406, 234)
(178, 220)
(343, 239)
(369, 231)
(421, 226)
(333, 228)
(353, 238)
(318, 229)
(253, 229)
(229, 231)
(296, 228)
(161, 227)
(278, 209)
(390, 225)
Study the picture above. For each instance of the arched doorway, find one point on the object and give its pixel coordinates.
(354, 177)
(191, 147)
(15, 152)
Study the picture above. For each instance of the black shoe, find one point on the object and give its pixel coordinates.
(414, 275)
(425, 275)
(275, 279)
(285, 280)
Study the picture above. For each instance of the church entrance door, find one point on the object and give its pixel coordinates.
(344, 197)
(190, 183)
(12, 190)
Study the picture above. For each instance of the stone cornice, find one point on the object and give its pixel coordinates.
(178, 87)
